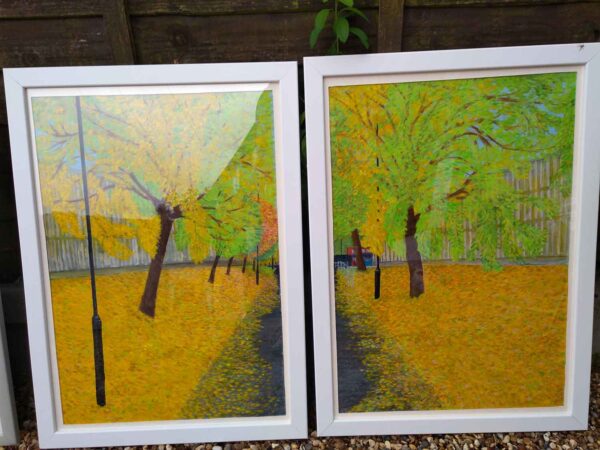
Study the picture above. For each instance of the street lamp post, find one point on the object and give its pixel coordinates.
(96, 321)
(377, 292)
(257, 249)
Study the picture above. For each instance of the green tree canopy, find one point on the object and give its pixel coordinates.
(435, 156)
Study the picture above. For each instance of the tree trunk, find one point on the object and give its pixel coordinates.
(211, 277)
(148, 302)
(244, 264)
(257, 265)
(229, 265)
(360, 261)
(413, 257)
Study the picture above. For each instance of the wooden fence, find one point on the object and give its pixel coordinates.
(101, 32)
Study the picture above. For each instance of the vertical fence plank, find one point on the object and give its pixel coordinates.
(119, 32)
(391, 22)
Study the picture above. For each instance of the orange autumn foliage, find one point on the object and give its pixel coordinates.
(268, 214)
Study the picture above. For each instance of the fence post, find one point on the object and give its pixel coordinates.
(391, 23)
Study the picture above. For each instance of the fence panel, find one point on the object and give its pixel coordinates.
(67, 253)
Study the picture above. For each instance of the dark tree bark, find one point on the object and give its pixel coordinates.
(377, 275)
(148, 302)
(360, 261)
(413, 257)
(211, 277)
(244, 264)
(257, 271)
(229, 265)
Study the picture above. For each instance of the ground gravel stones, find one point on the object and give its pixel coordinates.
(589, 439)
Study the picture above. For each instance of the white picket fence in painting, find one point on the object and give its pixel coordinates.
(66, 253)
(538, 183)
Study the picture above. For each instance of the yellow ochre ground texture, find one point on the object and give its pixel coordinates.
(154, 365)
(474, 339)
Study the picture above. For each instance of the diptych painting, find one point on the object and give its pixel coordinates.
(451, 214)
(161, 238)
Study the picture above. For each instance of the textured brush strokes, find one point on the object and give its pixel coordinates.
(461, 189)
(183, 202)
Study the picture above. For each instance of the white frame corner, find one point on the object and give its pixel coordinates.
(574, 415)
(51, 433)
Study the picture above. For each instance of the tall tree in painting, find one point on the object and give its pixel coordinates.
(349, 205)
(153, 161)
(238, 202)
(434, 158)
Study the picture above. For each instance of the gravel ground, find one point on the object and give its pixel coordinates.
(589, 439)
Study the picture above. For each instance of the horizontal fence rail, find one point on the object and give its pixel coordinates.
(67, 253)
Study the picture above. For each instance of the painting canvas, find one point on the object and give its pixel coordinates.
(160, 227)
(451, 203)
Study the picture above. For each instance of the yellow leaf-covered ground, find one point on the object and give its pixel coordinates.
(242, 382)
(152, 365)
(475, 339)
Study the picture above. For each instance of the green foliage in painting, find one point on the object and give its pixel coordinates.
(349, 205)
(437, 158)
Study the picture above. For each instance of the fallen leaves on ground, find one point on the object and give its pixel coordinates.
(476, 338)
(152, 365)
(241, 382)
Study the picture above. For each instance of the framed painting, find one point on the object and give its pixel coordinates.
(158, 214)
(9, 433)
(453, 209)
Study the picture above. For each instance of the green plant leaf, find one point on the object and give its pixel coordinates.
(361, 35)
(341, 28)
(347, 2)
(314, 35)
(321, 19)
(355, 11)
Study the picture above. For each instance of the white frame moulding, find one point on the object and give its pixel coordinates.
(322, 72)
(282, 78)
(9, 432)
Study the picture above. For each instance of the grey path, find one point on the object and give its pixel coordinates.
(352, 382)
(270, 338)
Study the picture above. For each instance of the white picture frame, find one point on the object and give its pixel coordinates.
(318, 72)
(9, 432)
(54, 434)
